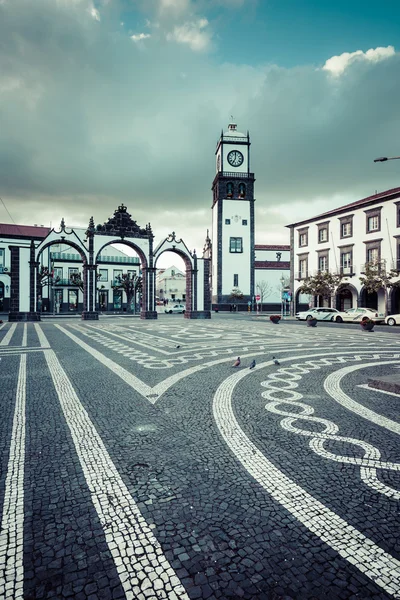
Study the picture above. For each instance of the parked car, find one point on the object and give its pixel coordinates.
(355, 315)
(321, 314)
(392, 320)
(176, 308)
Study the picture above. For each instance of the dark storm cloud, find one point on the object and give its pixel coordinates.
(89, 118)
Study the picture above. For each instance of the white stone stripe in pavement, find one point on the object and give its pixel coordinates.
(139, 560)
(351, 544)
(332, 387)
(42, 338)
(25, 336)
(12, 521)
(7, 338)
(365, 386)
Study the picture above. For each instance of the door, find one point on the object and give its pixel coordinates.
(72, 300)
(103, 299)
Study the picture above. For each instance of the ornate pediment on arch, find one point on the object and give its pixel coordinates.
(122, 225)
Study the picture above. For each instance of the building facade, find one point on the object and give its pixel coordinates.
(59, 293)
(171, 285)
(345, 241)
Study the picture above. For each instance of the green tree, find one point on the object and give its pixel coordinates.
(323, 284)
(131, 285)
(376, 277)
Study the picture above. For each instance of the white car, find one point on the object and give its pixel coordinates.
(321, 314)
(176, 308)
(392, 320)
(355, 315)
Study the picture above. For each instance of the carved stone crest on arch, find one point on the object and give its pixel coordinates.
(122, 225)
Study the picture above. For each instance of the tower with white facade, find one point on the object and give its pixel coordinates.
(233, 218)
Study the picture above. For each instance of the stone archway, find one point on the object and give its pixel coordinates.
(198, 293)
(346, 297)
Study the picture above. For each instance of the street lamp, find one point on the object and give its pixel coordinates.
(282, 280)
(385, 158)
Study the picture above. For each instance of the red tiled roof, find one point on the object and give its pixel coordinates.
(271, 264)
(376, 198)
(270, 247)
(29, 231)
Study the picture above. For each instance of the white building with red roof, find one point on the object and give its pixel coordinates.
(343, 241)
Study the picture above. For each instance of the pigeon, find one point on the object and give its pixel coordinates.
(276, 361)
(252, 364)
(237, 362)
(178, 346)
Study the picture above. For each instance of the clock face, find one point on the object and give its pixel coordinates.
(235, 158)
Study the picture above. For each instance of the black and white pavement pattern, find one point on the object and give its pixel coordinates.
(137, 463)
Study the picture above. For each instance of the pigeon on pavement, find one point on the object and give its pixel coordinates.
(252, 364)
(276, 361)
(237, 362)
(178, 346)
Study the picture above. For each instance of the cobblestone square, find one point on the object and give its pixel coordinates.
(137, 463)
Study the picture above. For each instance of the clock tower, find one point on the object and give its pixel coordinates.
(233, 219)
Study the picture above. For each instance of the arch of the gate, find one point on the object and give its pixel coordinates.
(122, 229)
(61, 236)
(197, 277)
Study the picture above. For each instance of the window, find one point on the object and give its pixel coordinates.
(373, 223)
(323, 234)
(372, 255)
(235, 244)
(2, 257)
(346, 260)
(229, 189)
(103, 274)
(303, 268)
(172, 272)
(303, 238)
(242, 190)
(58, 273)
(117, 273)
(72, 270)
(227, 221)
(346, 230)
(322, 263)
(236, 280)
(244, 222)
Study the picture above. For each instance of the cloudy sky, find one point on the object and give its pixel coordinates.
(110, 101)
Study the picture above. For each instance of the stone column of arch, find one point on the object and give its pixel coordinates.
(148, 296)
(89, 312)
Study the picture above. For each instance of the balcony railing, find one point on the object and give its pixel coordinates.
(65, 256)
(396, 265)
(302, 274)
(68, 257)
(130, 260)
(348, 270)
(237, 174)
(376, 266)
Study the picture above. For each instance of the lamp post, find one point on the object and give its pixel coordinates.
(282, 280)
(385, 158)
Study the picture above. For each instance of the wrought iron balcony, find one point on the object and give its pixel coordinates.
(347, 270)
(378, 267)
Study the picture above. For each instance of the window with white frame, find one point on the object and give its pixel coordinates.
(323, 234)
(103, 274)
(373, 223)
(346, 229)
(58, 273)
(303, 268)
(346, 260)
(2, 256)
(322, 263)
(372, 255)
(303, 239)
